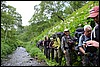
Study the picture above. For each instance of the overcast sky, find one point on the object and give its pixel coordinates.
(25, 8)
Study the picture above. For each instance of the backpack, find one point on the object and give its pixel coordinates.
(78, 32)
(60, 35)
(39, 43)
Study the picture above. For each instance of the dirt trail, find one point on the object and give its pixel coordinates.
(21, 58)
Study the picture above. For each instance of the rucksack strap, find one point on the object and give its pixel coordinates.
(95, 33)
(83, 38)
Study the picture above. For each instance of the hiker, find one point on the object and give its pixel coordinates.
(56, 46)
(46, 47)
(60, 52)
(82, 40)
(94, 14)
(65, 46)
(51, 48)
(78, 32)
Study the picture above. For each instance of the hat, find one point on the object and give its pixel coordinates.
(94, 12)
(51, 38)
(66, 30)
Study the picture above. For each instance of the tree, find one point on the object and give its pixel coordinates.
(9, 19)
(76, 4)
(48, 13)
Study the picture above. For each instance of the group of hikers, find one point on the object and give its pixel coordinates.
(85, 43)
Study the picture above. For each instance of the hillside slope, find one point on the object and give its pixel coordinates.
(73, 21)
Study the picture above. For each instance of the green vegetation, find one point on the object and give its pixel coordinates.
(9, 19)
(36, 52)
(76, 19)
(41, 26)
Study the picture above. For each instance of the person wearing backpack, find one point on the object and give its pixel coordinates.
(46, 47)
(66, 42)
(59, 36)
(82, 40)
(78, 32)
(51, 48)
(94, 14)
(56, 46)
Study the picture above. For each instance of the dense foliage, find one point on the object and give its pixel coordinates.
(77, 19)
(49, 17)
(9, 20)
